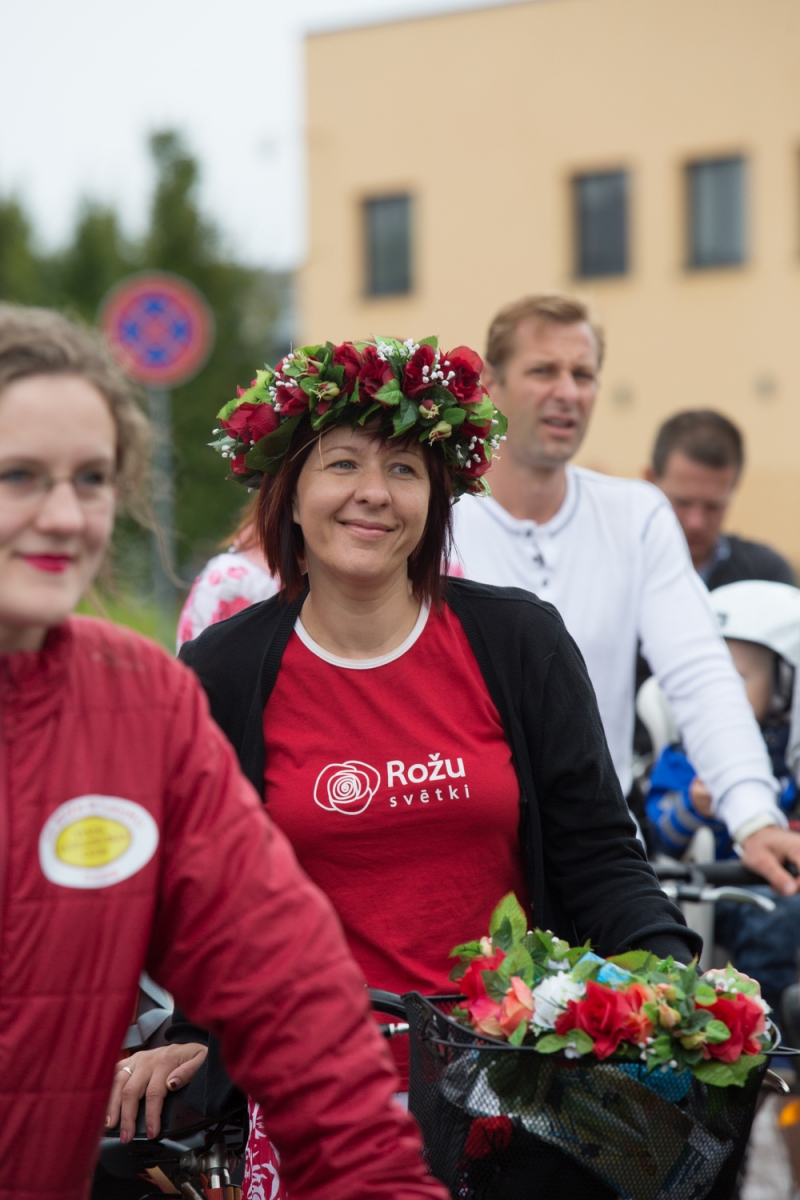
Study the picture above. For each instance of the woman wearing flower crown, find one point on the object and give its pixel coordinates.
(426, 743)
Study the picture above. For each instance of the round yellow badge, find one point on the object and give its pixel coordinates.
(92, 842)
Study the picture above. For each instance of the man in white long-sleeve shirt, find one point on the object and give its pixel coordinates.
(609, 553)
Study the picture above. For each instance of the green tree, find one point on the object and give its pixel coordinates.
(96, 259)
(20, 269)
(245, 303)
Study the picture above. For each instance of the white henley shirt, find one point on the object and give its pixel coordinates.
(614, 562)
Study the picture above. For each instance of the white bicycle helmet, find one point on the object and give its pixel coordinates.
(753, 610)
(756, 610)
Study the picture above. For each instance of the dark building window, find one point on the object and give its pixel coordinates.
(388, 245)
(716, 212)
(601, 223)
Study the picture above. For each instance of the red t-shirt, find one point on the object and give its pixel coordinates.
(393, 780)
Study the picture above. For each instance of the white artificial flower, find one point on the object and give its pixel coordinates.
(550, 999)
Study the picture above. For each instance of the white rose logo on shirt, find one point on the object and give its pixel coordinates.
(346, 787)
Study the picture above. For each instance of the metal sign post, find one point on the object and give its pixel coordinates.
(160, 329)
(159, 409)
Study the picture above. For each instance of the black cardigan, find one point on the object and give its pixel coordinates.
(587, 874)
(586, 871)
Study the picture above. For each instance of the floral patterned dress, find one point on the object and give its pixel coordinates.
(227, 584)
(261, 1162)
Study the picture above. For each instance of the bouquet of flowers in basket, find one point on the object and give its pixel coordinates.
(533, 989)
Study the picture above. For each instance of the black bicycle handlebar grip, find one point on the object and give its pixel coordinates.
(730, 872)
(672, 870)
(387, 1002)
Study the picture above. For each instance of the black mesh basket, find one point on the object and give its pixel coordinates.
(503, 1122)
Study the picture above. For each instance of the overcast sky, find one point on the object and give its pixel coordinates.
(84, 81)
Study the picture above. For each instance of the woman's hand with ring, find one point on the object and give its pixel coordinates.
(150, 1073)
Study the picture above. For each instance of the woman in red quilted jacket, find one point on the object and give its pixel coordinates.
(129, 839)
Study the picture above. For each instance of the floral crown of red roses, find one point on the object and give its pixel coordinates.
(403, 388)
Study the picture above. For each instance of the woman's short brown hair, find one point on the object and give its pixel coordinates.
(38, 341)
(281, 537)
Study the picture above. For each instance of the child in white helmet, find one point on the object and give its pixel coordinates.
(760, 622)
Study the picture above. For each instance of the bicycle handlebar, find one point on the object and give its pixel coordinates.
(730, 873)
(387, 1002)
(704, 894)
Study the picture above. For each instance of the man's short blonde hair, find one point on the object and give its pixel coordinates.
(552, 308)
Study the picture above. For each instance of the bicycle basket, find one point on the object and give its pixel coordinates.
(507, 1123)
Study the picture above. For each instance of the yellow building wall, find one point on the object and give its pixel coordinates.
(485, 116)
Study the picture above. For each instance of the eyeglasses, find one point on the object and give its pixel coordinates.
(27, 486)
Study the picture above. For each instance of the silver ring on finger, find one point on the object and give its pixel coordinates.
(130, 1072)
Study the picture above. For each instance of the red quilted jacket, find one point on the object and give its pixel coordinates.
(129, 839)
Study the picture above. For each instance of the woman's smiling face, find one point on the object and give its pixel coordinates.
(57, 500)
(362, 504)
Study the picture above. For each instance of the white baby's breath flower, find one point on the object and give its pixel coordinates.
(550, 999)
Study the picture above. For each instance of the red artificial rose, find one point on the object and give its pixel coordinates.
(239, 466)
(517, 1006)
(415, 382)
(477, 463)
(639, 994)
(744, 1016)
(374, 373)
(485, 1014)
(639, 1027)
(465, 366)
(475, 429)
(348, 357)
(472, 984)
(488, 1135)
(604, 1015)
(292, 399)
(251, 422)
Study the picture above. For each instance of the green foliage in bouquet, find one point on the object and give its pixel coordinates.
(530, 988)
